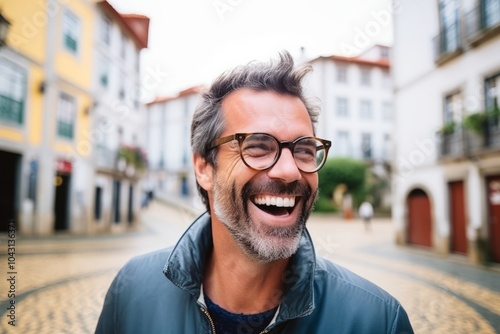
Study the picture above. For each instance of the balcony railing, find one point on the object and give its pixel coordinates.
(483, 21)
(447, 43)
(465, 143)
(11, 110)
(125, 159)
(492, 132)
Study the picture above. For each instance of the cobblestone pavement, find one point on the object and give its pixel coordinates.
(61, 281)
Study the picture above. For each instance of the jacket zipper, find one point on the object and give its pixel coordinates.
(205, 311)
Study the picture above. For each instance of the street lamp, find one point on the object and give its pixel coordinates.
(4, 29)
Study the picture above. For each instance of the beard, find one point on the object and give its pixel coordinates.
(259, 241)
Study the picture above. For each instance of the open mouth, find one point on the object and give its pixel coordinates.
(275, 205)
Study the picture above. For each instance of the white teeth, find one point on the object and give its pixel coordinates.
(274, 200)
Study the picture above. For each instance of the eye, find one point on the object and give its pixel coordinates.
(306, 149)
(259, 145)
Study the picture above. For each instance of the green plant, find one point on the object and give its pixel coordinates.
(348, 171)
(325, 205)
(478, 121)
(133, 155)
(448, 128)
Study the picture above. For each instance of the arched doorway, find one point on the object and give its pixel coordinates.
(419, 218)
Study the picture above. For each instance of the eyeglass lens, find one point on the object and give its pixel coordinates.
(260, 151)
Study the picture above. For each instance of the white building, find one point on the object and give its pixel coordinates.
(356, 103)
(446, 67)
(118, 131)
(169, 145)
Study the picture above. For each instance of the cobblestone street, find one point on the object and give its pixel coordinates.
(62, 280)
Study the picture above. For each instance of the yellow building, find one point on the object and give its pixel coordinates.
(45, 109)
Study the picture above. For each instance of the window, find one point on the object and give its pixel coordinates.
(386, 79)
(343, 147)
(387, 147)
(12, 93)
(136, 98)
(71, 32)
(66, 113)
(453, 108)
(492, 92)
(104, 72)
(366, 145)
(106, 30)
(384, 53)
(365, 111)
(490, 13)
(121, 91)
(123, 50)
(492, 96)
(387, 111)
(341, 73)
(342, 107)
(448, 14)
(366, 79)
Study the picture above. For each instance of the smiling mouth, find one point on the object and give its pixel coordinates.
(275, 205)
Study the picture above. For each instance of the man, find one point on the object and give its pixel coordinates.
(248, 264)
(366, 213)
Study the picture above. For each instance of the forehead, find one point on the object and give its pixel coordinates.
(248, 110)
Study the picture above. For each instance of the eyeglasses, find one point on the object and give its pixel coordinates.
(261, 151)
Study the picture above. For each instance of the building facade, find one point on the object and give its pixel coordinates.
(47, 107)
(169, 144)
(356, 107)
(118, 132)
(446, 176)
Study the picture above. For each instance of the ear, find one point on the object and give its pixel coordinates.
(203, 171)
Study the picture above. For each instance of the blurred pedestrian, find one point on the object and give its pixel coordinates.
(248, 264)
(366, 213)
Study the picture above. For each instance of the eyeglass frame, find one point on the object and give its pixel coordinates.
(240, 137)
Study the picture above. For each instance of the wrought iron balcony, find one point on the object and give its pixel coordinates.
(483, 21)
(447, 44)
(465, 142)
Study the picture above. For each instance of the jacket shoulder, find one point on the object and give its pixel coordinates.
(354, 303)
(337, 274)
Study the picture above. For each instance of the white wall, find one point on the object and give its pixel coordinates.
(420, 89)
(322, 83)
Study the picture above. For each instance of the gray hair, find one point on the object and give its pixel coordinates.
(208, 120)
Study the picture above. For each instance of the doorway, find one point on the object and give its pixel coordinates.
(419, 219)
(61, 201)
(458, 242)
(9, 178)
(493, 186)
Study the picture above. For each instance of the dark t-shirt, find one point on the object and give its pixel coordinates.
(232, 323)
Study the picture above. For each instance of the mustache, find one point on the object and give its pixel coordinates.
(276, 187)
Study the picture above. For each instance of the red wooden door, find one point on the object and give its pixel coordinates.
(494, 216)
(457, 217)
(419, 219)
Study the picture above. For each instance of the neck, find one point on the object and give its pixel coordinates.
(237, 283)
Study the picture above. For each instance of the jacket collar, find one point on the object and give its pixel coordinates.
(186, 263)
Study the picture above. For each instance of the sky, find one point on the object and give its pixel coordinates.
(192, 41)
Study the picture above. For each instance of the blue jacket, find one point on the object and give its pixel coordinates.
(161, 292)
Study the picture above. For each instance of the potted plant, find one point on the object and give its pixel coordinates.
(477, 122)
(447, 129)
(133, 156)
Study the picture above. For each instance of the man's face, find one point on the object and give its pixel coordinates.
(265, 211)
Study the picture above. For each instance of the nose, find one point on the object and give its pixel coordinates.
(285, 168)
